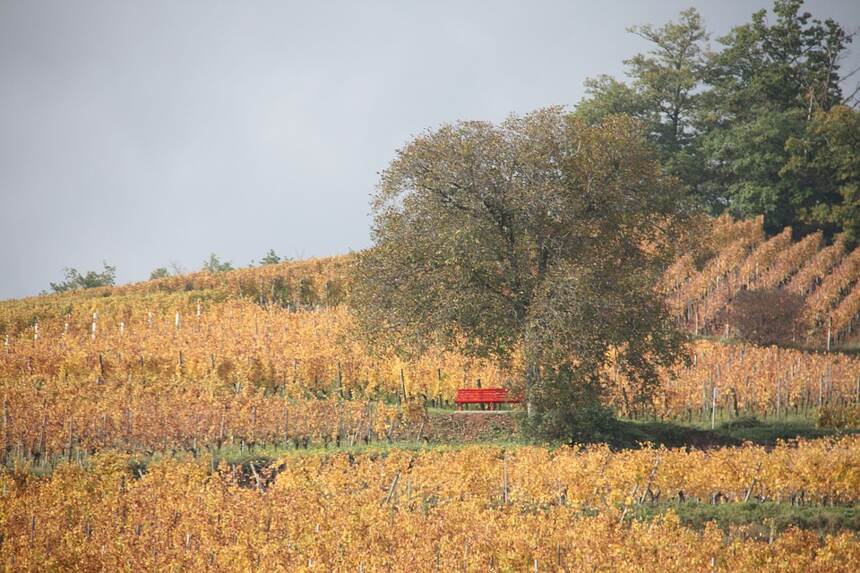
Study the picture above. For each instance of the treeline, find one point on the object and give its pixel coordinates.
(75, 280)
(761, 123)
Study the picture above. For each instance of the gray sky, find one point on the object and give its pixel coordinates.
(152, 131)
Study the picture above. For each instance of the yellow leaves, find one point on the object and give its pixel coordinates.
(444, 511)
(142, 368)
(750, 380)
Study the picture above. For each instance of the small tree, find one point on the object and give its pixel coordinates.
(75, 280)
(664, 94)
(271, 258)
(215, 265)
(543, 236)
(766, 316)
(177, 269)
(159, 273)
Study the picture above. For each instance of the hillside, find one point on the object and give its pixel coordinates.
(729, 257)
(291, 285)
(214, 357)
(736, 256)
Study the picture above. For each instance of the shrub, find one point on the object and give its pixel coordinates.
(566, 410)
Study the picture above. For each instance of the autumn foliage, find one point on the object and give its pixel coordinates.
(476, 509)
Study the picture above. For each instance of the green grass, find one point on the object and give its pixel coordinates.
(624, 434)
(697, 432)
(235, 455)
(731, 432)
(769, 432)
(630, 434)
(762, 517)
(260, 455)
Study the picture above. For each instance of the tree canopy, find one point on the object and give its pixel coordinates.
(159, 273)
(270, 258)
(542, 235)
(742, 125)
(91, 279)
(215, 265)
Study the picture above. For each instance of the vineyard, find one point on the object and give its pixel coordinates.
(267, 355)
(477, 509)
(737, 256)
(124, 398)
(239, 371)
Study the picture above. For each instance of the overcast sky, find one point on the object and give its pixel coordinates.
(149, 132)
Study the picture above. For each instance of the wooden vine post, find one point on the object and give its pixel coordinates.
(286, 427)
(5, 428)
(713, 405)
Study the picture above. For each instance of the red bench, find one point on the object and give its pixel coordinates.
(491, 396)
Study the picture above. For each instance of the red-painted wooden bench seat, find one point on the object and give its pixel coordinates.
(491, 396)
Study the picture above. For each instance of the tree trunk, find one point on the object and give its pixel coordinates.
(532, 380)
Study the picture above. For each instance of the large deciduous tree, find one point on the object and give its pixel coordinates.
(766, 85)
(730, 122)
(543, 235)
(826, 163)
(664, 93)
